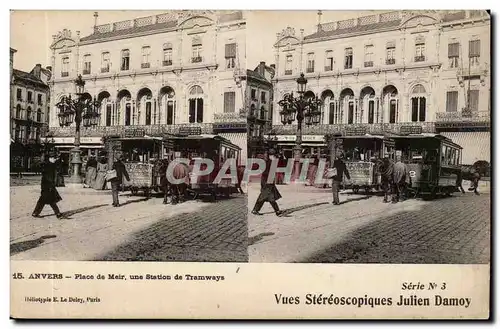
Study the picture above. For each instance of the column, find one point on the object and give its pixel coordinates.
(397, 109)
(377, 104)
(156, 111)
(135, 117)
(356, 110)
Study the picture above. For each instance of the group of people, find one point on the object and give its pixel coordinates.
(51, 179)
(95, 173)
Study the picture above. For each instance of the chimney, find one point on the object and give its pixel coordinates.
(262, 69)
(37, 70)
(96, 14)
(319, 20)
(273, 66)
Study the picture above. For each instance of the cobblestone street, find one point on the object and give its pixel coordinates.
(364, 230)
(140, 230)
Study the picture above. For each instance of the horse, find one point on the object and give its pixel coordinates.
(179, 190)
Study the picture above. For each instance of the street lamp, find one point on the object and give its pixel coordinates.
(302, 109)
(82, 110)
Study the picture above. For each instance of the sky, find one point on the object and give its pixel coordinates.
(31, 31)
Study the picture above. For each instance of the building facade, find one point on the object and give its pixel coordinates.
(259, 105)
(29, 99)
(159, 73)
(402, 68)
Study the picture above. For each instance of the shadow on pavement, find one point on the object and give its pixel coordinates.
(436, 233)
(133, 201)
(22, 246)
(254, 239)
(67, 214)
(215, 233)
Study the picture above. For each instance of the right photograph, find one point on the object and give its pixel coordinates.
(374, 128)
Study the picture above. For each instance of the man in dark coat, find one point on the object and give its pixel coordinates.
(399, 180)
(341, 170)
(118, 180)
(268, 191)
(49, 194)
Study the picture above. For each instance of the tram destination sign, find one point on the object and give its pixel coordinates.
(355, 131)
(190, 131)
(407, 130)
(134, 132)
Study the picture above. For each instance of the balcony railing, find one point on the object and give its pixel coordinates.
(229, 117)
(104, 69)
(64, 74)
(375, 128)
(197, 59)
(328, 68)
(86, 72)
(153, 130)
(145, 65)
(167, 62)
(463, 117)
(390, 61)
(369, 64)
(288, 72)
(419, 58)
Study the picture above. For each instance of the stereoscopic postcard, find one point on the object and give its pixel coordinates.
(232, 164)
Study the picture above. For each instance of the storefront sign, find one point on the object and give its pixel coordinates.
(190, 131)
(134, 132)
(407, 130)
(229, 126)
(305, 138)
(83, 140)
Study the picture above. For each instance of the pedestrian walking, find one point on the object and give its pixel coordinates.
(399, 180)
(268, 191)
(91, 172)
(49, 194)
(336, 173)
(116, 178)
(386, 172)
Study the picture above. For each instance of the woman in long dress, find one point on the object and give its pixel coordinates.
(100, 181)
(91, 172)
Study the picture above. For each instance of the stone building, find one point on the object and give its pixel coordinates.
(259, 105)
(157, 73)
(429, 69)
(29, 107)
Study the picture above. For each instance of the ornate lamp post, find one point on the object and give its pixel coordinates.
(302, 109)
(84, 110)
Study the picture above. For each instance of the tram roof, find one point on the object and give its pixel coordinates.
(201, 137)
(366, 136)
(428, 135)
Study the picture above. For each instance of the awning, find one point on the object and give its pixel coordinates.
(239, 139)
(304, 144)
(476, 145)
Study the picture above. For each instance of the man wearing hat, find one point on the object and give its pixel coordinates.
(49, 194)
(339, 169)
(117, 181)
(268, 191)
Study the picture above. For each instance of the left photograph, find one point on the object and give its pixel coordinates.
(113, 116)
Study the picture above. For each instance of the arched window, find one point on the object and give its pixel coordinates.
(125, 66)
(196, 104)
(418, 104)
(146, 54)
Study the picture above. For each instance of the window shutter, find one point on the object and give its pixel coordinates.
(451, 101)
(231, 50)
(229, 102)
(453, 49)
(474, 100)
(474, 48)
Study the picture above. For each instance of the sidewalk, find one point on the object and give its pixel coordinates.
(92, 227)
(364, 228)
